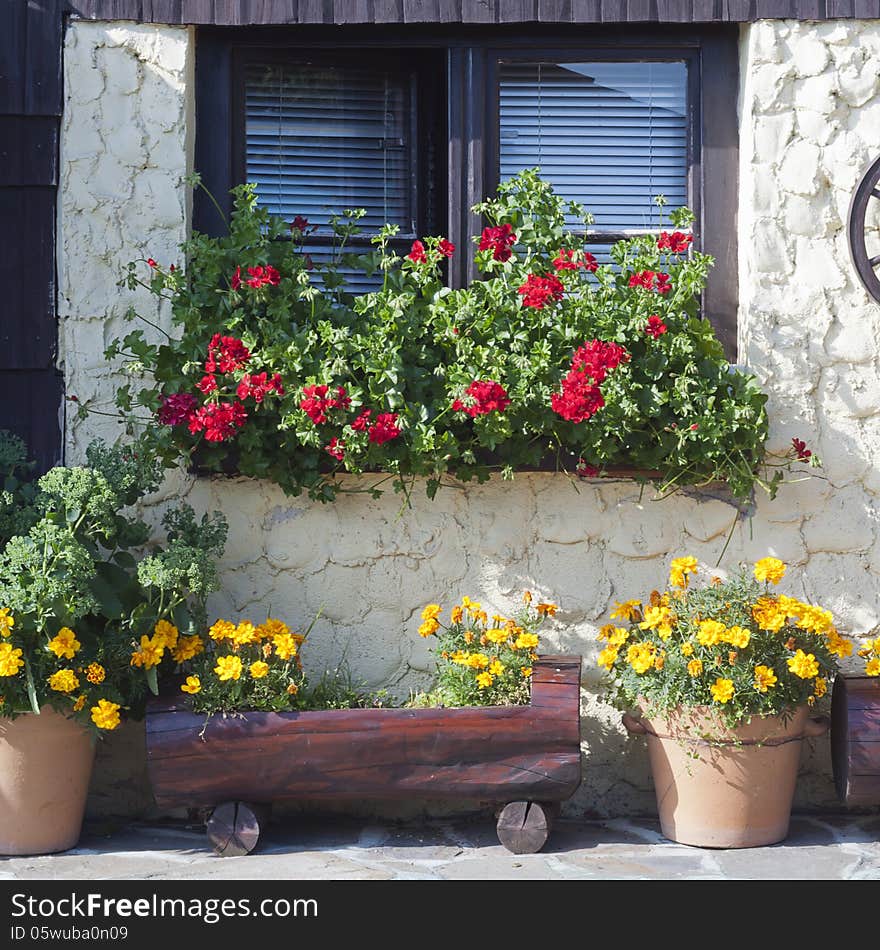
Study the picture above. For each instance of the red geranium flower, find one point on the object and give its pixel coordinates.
(219, 421)
(207, 384)
(336, 448)
(646, 279)
(675, 243)
(263, 275)
(151, 262)
(258, 386)
(417, 253)
(226, 354)
(566, 259)
(800, 447)
(482, 397)
(585, 470)
(499, 240)
(315, 403)
(385, 428)
(445, 248)
(580, 396)
(299, 223)
(235, 283)
(175, 408)
(363, 421)
(537, 291)
(656, 327)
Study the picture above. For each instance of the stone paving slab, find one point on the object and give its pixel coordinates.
(835, 847)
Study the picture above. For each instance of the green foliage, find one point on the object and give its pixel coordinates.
(733, 646)
(674, 408)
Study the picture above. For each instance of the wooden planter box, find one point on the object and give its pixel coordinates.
(526, 758)
(855, 738)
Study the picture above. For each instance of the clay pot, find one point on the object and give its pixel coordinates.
(45, 768)
(718, 787)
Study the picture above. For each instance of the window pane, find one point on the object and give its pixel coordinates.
(609, 135)
(320, 139)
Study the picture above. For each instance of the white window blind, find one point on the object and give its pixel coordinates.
(611, 135)
(323, 138)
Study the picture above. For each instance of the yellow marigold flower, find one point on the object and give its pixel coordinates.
(64, 644)
(192, 685)
(80, 703)
(496, 667)
(484, 680)
(187, 648)
(872, 667)
(769, 569)
(480, 616)
(821, 688)
(767, 614)
(679, 570)
(526, 641)
(618, 637)
(659, 661)
(222, 630)
(722, 690)
(875, 646)
(659, 617)
(245, 633)
(460, 656)
(469, 604)
(710, 633)
(285, 645)
(432, 612)
(478, 661)
(640, 657)
(228, 667)
(149, 655)
(496, 635)
(607, 657)
(803, 665)
(838, 645)
(166, 634)
(737, 637)
(258, 669)
(428, 628)
(695, 668)
(687, 648)
(731, 657)
(456, 614)
(105, 715)
(469, 636)
(790, 606)
(815, 619)
(95, 673)
(64, 681)
(527, 597)
(292, 689)
(526, 672)
(7, 622)
(10, 660)
(627, 610)
(547, 610)
(605, 631)
(272, 628)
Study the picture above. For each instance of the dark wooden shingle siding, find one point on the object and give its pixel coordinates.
(30, 111)
(244, 12)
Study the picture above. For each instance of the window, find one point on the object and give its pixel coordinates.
(418, 125)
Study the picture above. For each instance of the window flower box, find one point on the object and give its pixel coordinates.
(524, 757)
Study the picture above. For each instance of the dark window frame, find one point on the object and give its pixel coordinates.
(471, 151)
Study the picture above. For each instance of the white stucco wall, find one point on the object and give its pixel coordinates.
(809, 100)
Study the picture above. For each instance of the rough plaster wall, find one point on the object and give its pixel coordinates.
(808, 102)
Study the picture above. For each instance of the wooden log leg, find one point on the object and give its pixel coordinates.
(234, 827)
(523, 827)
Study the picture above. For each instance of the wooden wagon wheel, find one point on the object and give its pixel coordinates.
(866, 266)
(234, 827)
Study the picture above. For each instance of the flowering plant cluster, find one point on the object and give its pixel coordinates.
(735, 645)
(80, 583)
(483, 661)
(870, 653)
(548, 359)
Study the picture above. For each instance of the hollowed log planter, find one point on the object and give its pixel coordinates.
(855, 739)
(526, 758)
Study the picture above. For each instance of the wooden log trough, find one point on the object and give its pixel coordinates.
(525, 758)
(855, 738)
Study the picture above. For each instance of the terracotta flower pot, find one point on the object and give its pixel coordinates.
(45, 768)
(718, 787)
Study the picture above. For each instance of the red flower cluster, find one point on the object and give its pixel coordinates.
(226, 354)
(445, 248)
(336, 448)
(362, 423)
(301, 224)
(566, 259)
(580, 397)
(646, 279)
(499, 240)
(482, 397)
(258, 386)
(800, 447)
(656, 327)
(417, 253)
(675, 243)
(258, 277)
(315, 402)
(385, 428)
(176, 408)
(537, 290)
(585, 470)
(218, 420)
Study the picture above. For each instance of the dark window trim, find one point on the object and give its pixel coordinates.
(471, 143)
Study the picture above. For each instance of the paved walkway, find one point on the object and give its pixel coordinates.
(843, 847)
